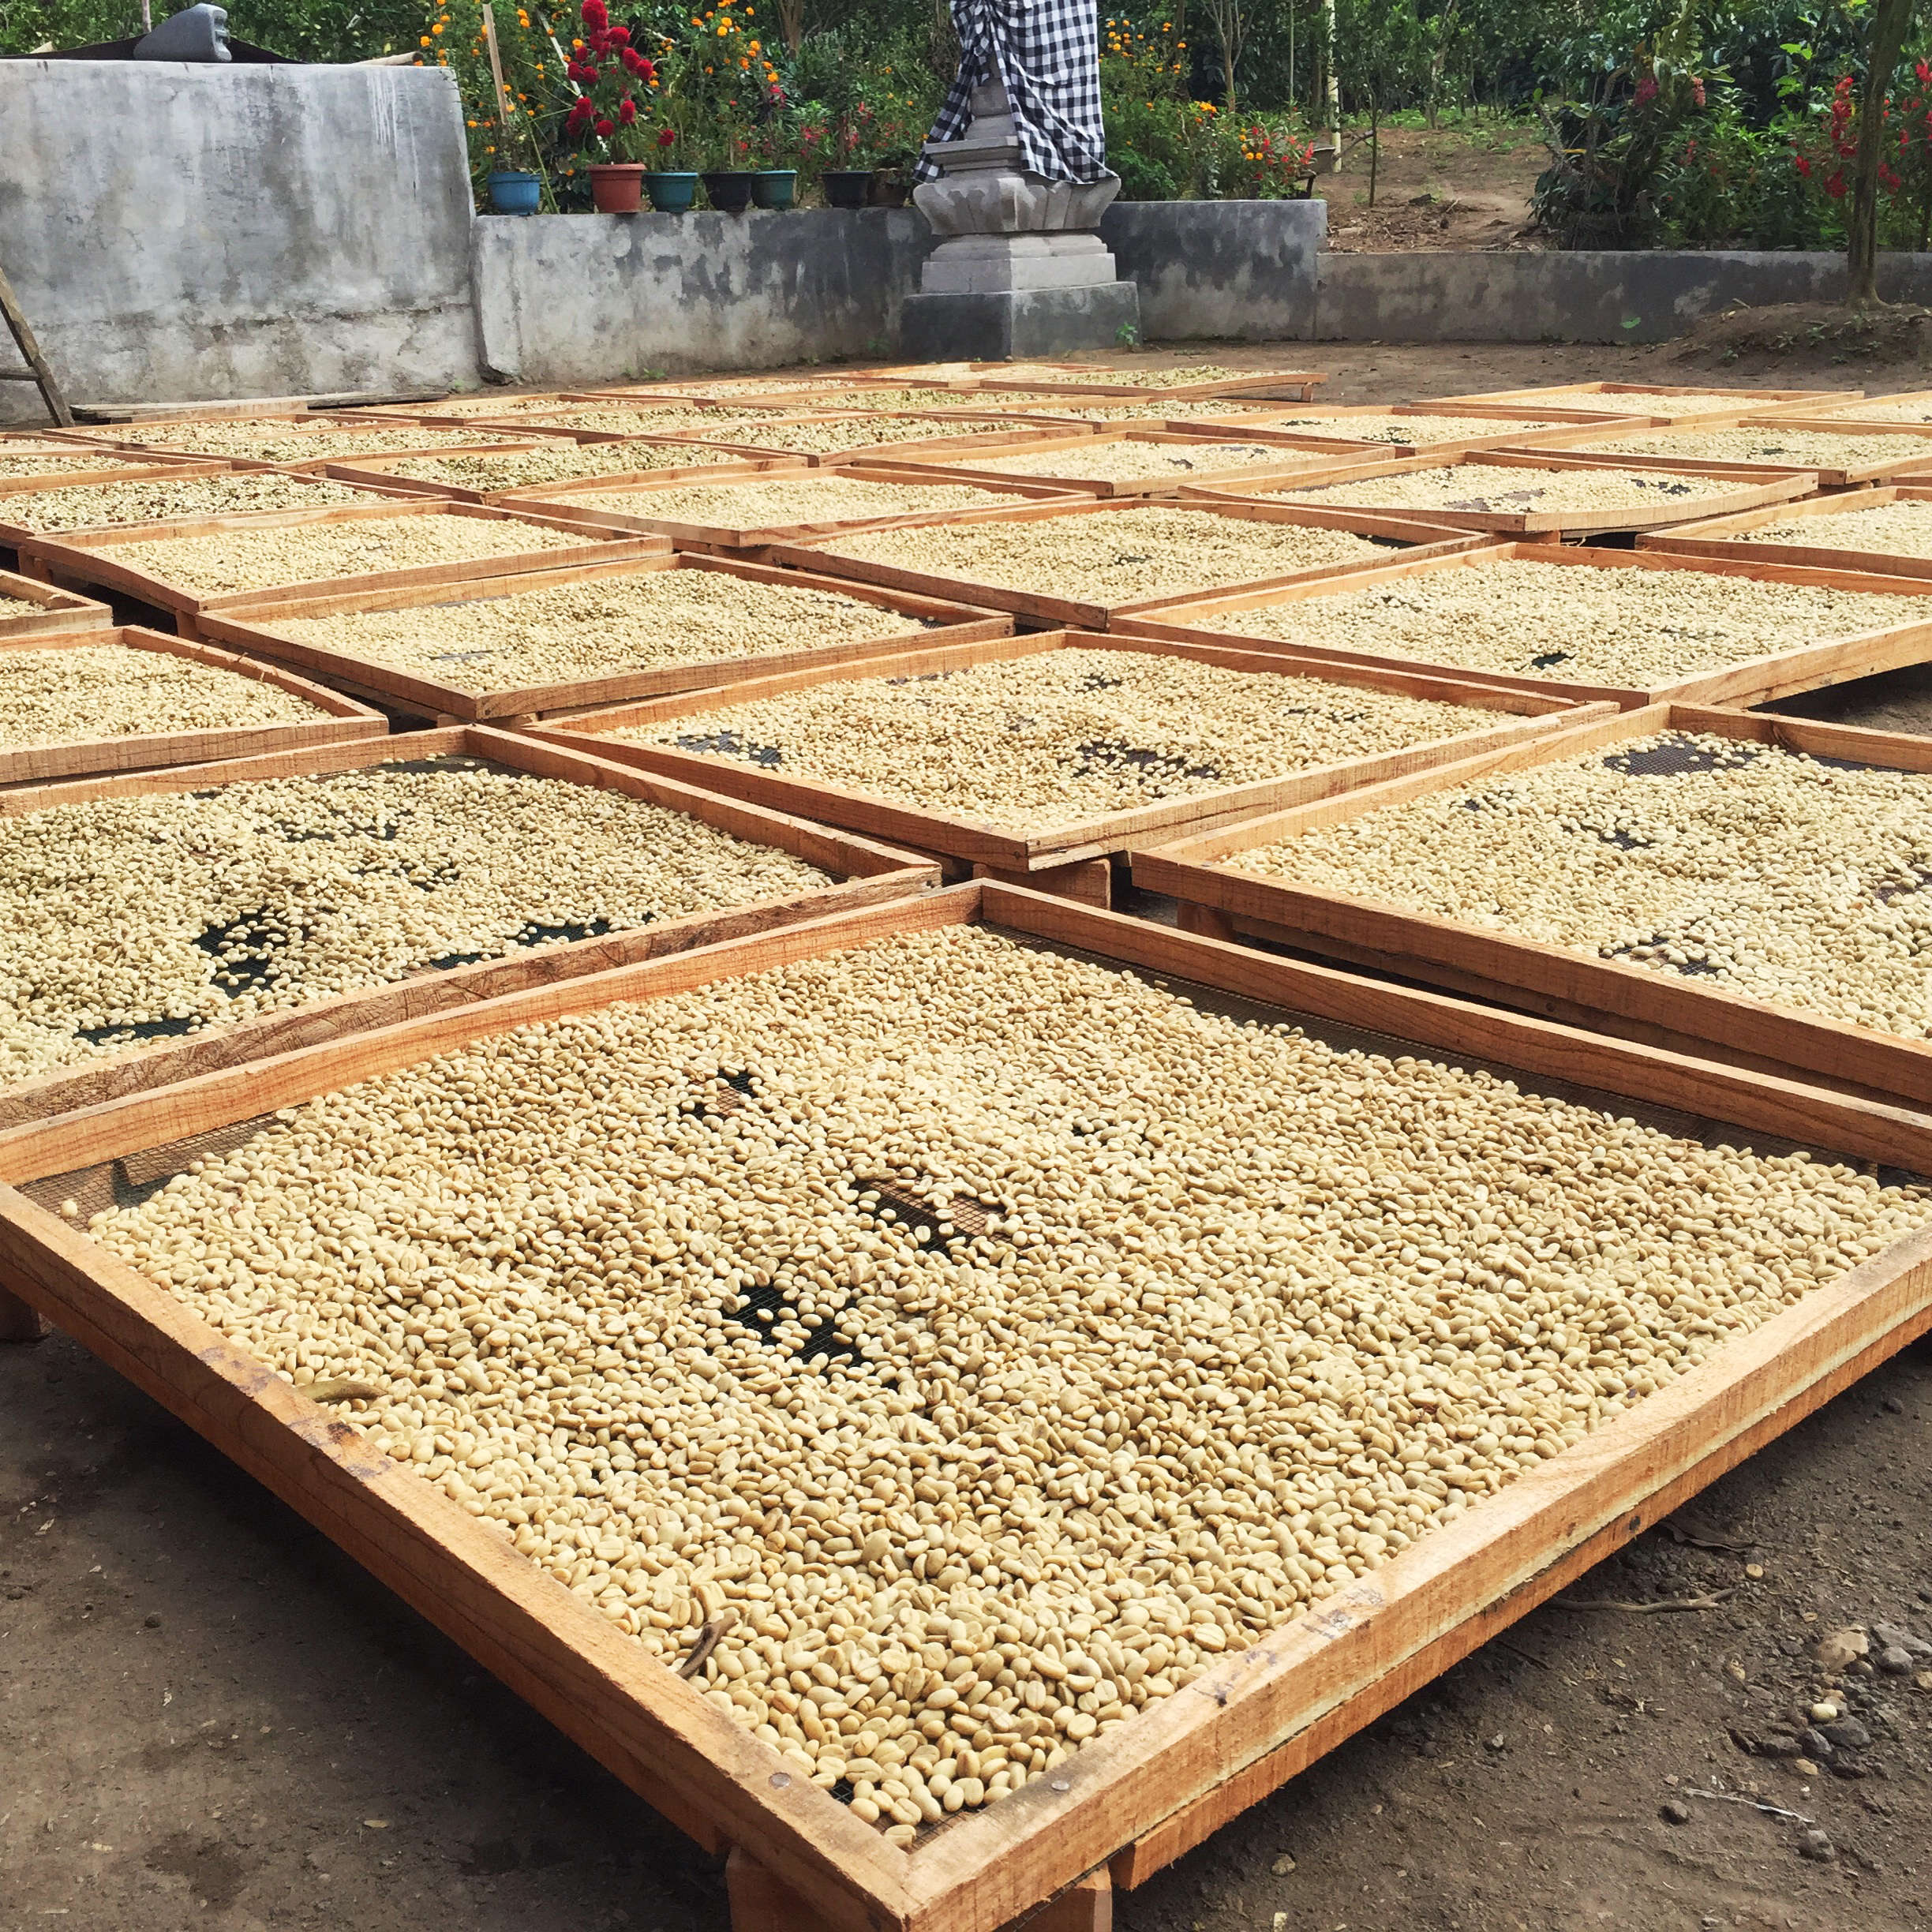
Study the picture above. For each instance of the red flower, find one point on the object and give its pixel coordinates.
(627, 110)
(646, 70)
(1696, 92)
(1646, 90)
(633, 61)
(619, 36)
(596, 13)
(665, 138)
(606, 128)
(1834, 185)
(1803, 166)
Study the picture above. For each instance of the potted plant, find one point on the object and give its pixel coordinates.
(671, 183)
(672, 190)
(848, 181)
(609, 75)
(775, 185)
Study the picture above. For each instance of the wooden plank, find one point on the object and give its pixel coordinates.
(984, 1870)
(54, 610)
(1723, 538)
(974, 841)
(1748, 681)
(249, 625)
(338, 719)
(19, 1321)
(1709, 1020)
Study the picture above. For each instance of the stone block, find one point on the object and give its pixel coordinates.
(1019, 325)
(997, 264)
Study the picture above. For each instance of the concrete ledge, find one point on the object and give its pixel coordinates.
(1238, 271)
(177, 231)
(1018, 324)
(1635, 297)
(582, 298)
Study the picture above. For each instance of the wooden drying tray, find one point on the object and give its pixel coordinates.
(1755, 680)
(560, 500)
(1914, 441)
(1727, 538)
(1301, 456)
(1123, 1805)
(996, 430)
(87, 556)
(1072, 857)
(114, 470)
(1293, 385)
(54, 610)
(1048, 608)
(1836, 412)
(866, 872)
(1494, 428)
(1622, 398)
(1752, 487)
(1660, 1008)
(338, 719)
(152, 441)
(369, 471)
(250, 625)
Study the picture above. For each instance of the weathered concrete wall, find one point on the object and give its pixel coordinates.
(1239, 269)
(577, 299)
(1638, 297)
(179, 231)
(580, 298)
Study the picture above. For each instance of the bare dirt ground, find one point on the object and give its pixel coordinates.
(211, 1719)
(1461, 188)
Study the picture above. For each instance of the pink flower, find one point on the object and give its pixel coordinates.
(1646, 90)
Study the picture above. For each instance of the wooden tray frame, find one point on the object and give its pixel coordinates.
(374, 470)
(1828, 476)
(343, 721)
(556, 500)
(1327, 455)
(1634, 1002)
(1754, 680)
(1157, 1787)
(1709, 537)
(975, 842)
(59, 610)
(175, 469)
(869, 872)
(987, 375)
(1560, 427)
(249, 628)
(1753, 486)
(1750, 402)
(87, 556)
(342, 422)
(1044, 608)
(1837, 415)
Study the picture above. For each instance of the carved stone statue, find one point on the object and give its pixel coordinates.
(1015, 181)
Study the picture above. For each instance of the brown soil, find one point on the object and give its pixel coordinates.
(1753, 341)
(1449, 190)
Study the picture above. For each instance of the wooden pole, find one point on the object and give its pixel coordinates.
(489, 36)
(23, 336)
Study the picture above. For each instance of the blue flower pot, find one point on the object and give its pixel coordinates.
(670, 191)
(512, 191)
(774, 188)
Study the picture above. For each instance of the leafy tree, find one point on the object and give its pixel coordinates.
(1886, 41)
(1382, 58)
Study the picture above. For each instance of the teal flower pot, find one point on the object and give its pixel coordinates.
(671, 191)
(774, 188)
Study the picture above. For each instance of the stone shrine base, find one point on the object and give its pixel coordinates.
(1019, 324)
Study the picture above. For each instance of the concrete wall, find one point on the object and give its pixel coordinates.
(1637, 297)
(177, 231)
(581, 298)
(1244, 271)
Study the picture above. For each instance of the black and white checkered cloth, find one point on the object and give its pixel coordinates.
(1048, 53)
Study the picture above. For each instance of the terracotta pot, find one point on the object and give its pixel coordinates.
(617, 187)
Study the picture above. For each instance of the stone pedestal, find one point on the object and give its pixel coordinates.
(1019, 272)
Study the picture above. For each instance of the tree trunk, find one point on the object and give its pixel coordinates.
(1334, 84)
(1375, 141)
(1890, 19)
